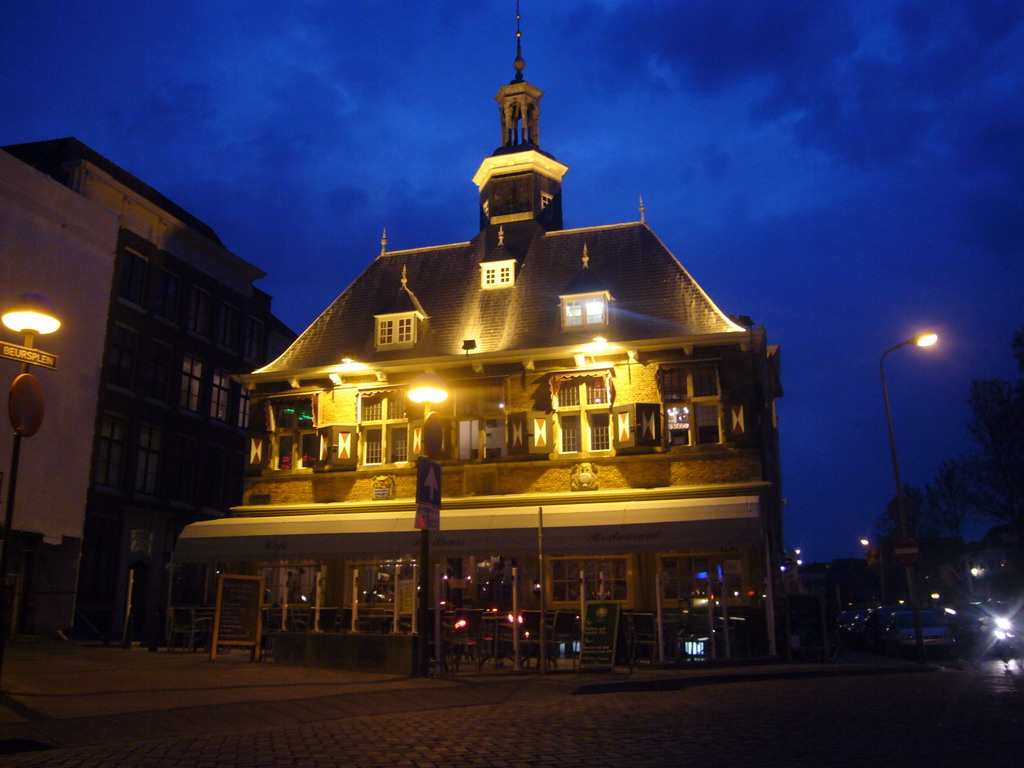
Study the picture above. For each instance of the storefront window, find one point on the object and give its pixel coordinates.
(604, 578)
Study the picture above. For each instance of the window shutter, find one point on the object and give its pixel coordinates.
(518, 437)
(736, 420)
(540, 432)
(339, 445)
(415, 438)
(637, 424)
(259, 453)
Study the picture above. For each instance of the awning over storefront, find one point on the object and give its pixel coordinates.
(569, 529)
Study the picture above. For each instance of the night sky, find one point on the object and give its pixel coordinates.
(847, 173)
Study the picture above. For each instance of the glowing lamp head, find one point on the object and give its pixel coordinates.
(31, 313)
(428, 388)
(926, 339)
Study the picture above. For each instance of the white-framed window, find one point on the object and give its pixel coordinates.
(693, 407)
(497, 274)
(384, 426)
(587, 310)
(397, 330)
(583, 405)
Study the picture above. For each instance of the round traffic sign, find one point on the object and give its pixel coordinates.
(25, 405)
(433, 435)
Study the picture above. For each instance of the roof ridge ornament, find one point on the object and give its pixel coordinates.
(405, 278)
(519, 64)
(384, 242)
(586, 257)
(643, 211)
(501, 236)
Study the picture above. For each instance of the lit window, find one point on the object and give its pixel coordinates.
(692, 404)
(584, 311)
(191, 381)
(295, 438)
(605, 578)
(600, 437)
(396, 330)
(385, 427)
(497, 274)
(570, 433)
(220, 395)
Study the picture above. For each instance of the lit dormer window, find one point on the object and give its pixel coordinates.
(397, 330)
(584, 311)
(498, 274)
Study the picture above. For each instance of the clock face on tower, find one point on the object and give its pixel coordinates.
(513, 194)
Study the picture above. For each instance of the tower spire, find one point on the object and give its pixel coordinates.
(519, 64)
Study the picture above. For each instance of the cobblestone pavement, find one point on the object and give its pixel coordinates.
(954, 716)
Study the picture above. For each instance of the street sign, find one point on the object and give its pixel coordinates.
(428, 494)
(906, 551)
(28, 355)
(25, 405)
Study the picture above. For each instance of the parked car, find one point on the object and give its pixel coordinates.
(901, 637)
(849, 625)
(874, 626)
(989, 628)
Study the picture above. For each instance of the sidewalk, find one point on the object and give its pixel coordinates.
(65, 694)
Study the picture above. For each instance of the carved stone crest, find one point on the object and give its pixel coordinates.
(383, 487)
(583, 477)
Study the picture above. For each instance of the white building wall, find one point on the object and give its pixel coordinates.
(57, 243)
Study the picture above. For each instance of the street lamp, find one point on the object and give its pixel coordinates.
(427, 388)
(920, 340)
(31, 315)
(881, 566)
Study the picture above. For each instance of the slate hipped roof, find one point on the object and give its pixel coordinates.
(653, 297)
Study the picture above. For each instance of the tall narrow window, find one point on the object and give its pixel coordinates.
(570, 425)
(242, 412)
(147, 467)
(227, 326)
(191, 383)
(110, 451)
(121, 356)
(156, 373)
(254, 338)
(220, 395)
(165, 302)
(133, 277)
(199, 312)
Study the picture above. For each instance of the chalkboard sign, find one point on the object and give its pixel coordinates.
(600, 632)
(236, 620)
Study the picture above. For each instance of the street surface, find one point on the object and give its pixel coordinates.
(957, 715)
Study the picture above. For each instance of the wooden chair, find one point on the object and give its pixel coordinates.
(643, 637)
(186, 627)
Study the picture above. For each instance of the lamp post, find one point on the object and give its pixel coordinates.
(881, 566)
(427, 388)
(31, 315)
(921, 340)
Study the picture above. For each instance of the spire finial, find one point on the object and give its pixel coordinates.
(519, 63)
(586, 257)
(501, 235)
(384, 241)
(405, 278)
(643, 210)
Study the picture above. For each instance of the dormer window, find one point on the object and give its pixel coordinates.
(584, 310)
(396, 330)
(497, 274)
